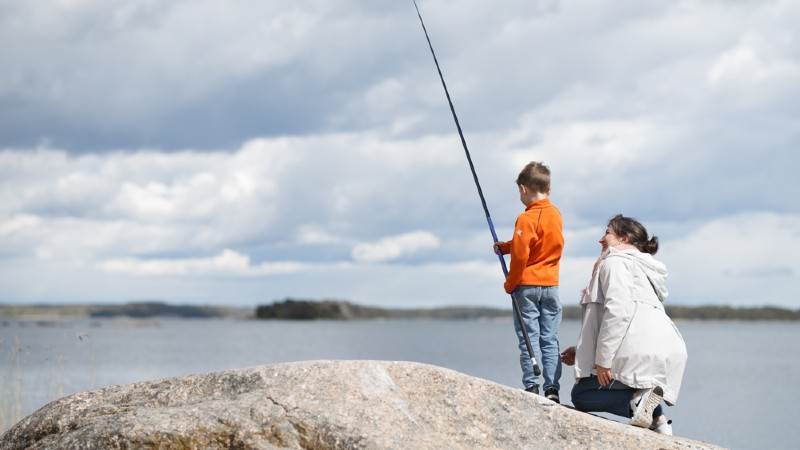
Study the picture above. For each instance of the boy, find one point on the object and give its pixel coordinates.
(533, 277)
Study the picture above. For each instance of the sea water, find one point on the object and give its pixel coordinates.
(738, 391)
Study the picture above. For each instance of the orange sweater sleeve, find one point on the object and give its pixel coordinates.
(521, 243)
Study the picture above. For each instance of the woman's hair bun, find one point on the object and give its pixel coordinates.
(650, 246)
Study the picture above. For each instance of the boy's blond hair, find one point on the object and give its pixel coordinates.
(536, 177)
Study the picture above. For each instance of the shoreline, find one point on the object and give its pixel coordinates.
(336, 310)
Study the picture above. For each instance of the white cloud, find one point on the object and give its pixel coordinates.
(682, 114)
(755, 73)
(147, 199)
(152, 47)
(314, 234)
(277, 201)
(227, 263)
(82, 240)
(607, 145)
(746, 259)
(18, 223)
(742, 260)
(146, 203)
(431, 151)
(395, 247)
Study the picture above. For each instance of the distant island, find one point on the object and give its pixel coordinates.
(326, 309)
(294, 309)
(133, 310)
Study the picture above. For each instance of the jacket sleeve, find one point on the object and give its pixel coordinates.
(520, 252)
(587, 339)
(617, 311)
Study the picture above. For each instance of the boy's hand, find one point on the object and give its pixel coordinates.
(497, 249)
(568, 356)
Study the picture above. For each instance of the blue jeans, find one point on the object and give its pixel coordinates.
(588, 395)
(541, 314)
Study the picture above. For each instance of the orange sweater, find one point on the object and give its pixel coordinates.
(536, 247)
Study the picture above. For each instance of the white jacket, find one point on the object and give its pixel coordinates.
(625, 328)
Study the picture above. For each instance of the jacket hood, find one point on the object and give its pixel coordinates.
(655, 270)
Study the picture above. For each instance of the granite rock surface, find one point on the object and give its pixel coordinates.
(322, 405)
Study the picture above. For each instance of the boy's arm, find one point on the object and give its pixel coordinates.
(520, 252)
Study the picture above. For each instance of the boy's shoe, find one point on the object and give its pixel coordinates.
(643, 403)
(552, 394)
(662, 425)
(532, 390)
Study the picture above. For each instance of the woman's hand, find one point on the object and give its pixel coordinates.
(603, 375)
(568, 356)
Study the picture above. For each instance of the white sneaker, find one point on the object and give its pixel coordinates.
(646, 403)
(662, 425)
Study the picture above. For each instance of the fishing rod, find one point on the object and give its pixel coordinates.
(517, 314)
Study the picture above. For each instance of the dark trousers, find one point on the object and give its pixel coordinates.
(588, 395)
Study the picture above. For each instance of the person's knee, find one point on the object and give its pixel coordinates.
(579, 403)
(548, 342)
(578, 400)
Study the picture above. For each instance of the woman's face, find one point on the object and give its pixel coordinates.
(610, 239)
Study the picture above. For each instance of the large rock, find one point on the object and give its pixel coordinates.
(322, 405)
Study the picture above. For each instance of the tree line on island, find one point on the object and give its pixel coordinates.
(295, 309)
(308, 309)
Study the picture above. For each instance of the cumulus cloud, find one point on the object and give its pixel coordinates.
(753, 61)
(89, 74)
(746, 259)
(228, 262)
(140, 202)
(394, 247)
(267, 190)
(758, 72)
(158, 217)
(98, 75)
(134, 142)
(315, 234)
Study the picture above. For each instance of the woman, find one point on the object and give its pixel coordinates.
(629, 355)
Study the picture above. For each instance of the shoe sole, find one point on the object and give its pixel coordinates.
(666, 431)
(643, 415)
(664, 428)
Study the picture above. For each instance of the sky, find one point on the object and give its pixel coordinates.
(240, 152)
